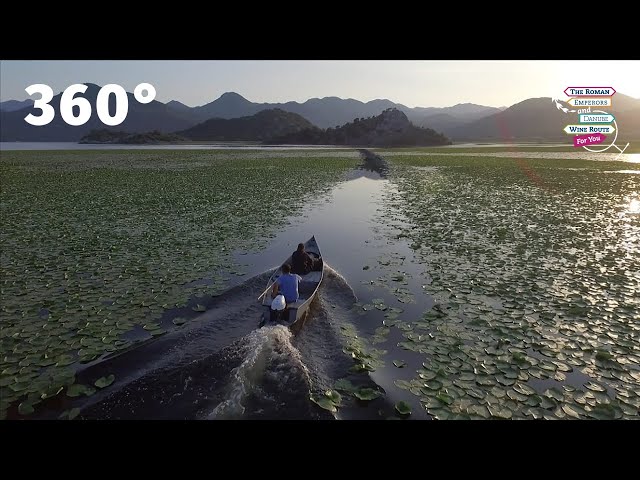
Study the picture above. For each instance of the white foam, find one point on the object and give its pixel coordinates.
(268, 346)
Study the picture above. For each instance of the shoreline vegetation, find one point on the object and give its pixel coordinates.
(155, 137)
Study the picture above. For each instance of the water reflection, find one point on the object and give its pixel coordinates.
(634, 206)
(374, 163)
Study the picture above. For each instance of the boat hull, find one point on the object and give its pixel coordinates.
(308, 287)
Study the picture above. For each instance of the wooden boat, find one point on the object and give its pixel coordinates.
(307, 289)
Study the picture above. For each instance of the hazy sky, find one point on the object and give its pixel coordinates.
(412, 83)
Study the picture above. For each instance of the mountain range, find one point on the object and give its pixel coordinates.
(12, 105)
(531, 119)
(140, 118)
(538, 119)
(261, 126)
(330, 111)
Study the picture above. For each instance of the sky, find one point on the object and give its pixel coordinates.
(412, 83)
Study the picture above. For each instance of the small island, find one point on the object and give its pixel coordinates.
(155, 137)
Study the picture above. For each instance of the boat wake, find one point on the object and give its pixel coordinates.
(279, 369)
(271, 368)
(220, 366)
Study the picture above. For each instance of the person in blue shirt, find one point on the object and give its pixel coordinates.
(287, 284)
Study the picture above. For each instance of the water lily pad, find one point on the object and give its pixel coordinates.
(554, 393)
(501, 412)
(361, 367)
(6, 381)
(104, 382)
(433, 384)
(390, 322)
(427, 375)
(179, 321)
(602, 412)
(485, 381)
(440, 413)
(571, 412)
(603, 355)
(535, 372)
(344, 385)
(402, 384)
(366, 393)
(523, 389)
(25, 408)
(64, 360)
(51, 392)
(479, 410)
(501, 379)
(536, 413)
(475, 393)
(403, 408)
(323, 402)
(334, 396)
(399, 363)
(595, 387)
(76, 390)
(88, 358)
(515, 396)
(199, 308)
(73, 413)
(467, 377)
(445, 398)
(498, 392)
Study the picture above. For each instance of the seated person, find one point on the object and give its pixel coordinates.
(287, 285)
(301, 261)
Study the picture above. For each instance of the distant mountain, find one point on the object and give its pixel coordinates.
(534, 119)
(263, 125)
(447, 120)
(322, 112)
(390, 128)
(140, 118)
(441, 122)
(12, 105)
(178, 106)
(464, 112)
(333, 111)
(229, 105)
(538, 119)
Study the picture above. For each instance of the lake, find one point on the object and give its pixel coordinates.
(481, 286)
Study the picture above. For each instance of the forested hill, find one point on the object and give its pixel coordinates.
(263, 125)
(391, 128)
